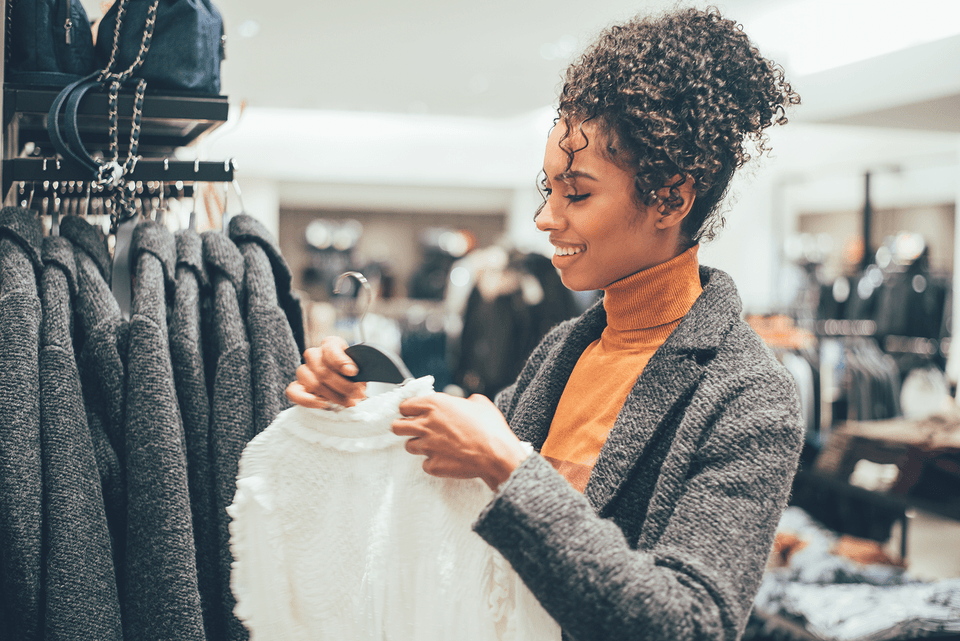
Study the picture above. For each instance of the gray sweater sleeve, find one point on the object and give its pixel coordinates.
(698, 563)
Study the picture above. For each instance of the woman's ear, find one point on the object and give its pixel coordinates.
(675, 215)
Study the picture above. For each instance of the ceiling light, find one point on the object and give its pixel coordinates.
(478, 84)
(248, 28)
(562, 49)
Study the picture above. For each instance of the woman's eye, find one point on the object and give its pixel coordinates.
(575, 198)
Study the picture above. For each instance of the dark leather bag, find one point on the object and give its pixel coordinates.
(186, 50)
(50, 42)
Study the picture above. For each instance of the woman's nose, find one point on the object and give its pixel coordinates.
(546, 220)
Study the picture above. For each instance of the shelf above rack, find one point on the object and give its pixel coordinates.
(169, 120)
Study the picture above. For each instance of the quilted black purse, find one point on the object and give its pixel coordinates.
(186, 48)
(48, 42)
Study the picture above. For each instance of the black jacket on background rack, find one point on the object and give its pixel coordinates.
(273, 318)
(162, 599)
(80, 584)
(502, 325)
(20, 468)
(231, 425)
(190, 304)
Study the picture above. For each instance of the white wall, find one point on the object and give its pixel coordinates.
(412, 163)
(819, 168)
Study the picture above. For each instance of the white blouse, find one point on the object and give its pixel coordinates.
(338, 533)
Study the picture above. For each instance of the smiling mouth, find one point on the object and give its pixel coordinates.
(567, 251)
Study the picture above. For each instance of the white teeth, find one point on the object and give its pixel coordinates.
(567, 251)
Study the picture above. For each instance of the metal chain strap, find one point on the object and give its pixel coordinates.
(8, 19)
(145, 41)
(111, 173)
(132, 156)
(114, 120)
(121, 9)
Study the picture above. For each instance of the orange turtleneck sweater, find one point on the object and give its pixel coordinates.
(642, 311)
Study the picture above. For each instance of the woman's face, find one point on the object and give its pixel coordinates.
(599, 233)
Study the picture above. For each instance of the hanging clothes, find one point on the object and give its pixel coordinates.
(911, 302)
(187, 340)
(121, 438)
(273, 317)
(162, 596)
(802, 372)
(20, 466)
(338, 533)
(80, 586)
(100, 345)
(512, 305)
(232, 411)
(873, 381)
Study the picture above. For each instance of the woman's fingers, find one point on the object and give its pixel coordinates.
(407, 426)
(307, 378)
(420, 405)
(333, 355)
(321, 379)
(461, 438)
(297, 394)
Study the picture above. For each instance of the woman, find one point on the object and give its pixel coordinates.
(666, 434)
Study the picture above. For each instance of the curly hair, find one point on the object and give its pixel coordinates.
(677, 95)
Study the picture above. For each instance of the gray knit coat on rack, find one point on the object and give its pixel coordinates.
(274, 350)
(670, 538)
(232, 425)
(20, 468)
(187, 343)
(100, 345)
(80, 585)
(162, 599)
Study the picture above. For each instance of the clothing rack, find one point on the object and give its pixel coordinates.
(147, 169)
(25, 192)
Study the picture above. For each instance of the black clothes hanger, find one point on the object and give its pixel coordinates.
(373, 363)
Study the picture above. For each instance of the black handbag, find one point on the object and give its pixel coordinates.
(186, 50)
(49, 42)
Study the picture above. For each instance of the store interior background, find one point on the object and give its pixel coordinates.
(407, 116)
(442, 110)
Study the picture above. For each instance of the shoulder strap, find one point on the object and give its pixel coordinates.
(53, 122)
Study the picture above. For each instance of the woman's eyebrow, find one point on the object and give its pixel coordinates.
(570, 175)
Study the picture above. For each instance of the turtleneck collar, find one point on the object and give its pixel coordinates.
(654, 297)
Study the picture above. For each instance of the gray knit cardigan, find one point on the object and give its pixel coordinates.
(162, 599)
(669, 540)
(273, 318)
(20, 464)
(80, 584)
(231, 402)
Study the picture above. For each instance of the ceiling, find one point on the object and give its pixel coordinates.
(502, 58)
(451, 57)
(495, 58)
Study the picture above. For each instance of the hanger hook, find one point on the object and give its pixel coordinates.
(366, 286)
(236, 188)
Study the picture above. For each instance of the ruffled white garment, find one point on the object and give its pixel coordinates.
(337, 533)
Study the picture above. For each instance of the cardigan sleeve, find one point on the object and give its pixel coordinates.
(697, 577)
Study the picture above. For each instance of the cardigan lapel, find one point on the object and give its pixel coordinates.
(669, 376)
(664, 382)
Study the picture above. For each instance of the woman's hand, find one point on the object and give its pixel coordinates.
(462, 438)
(321, 379)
